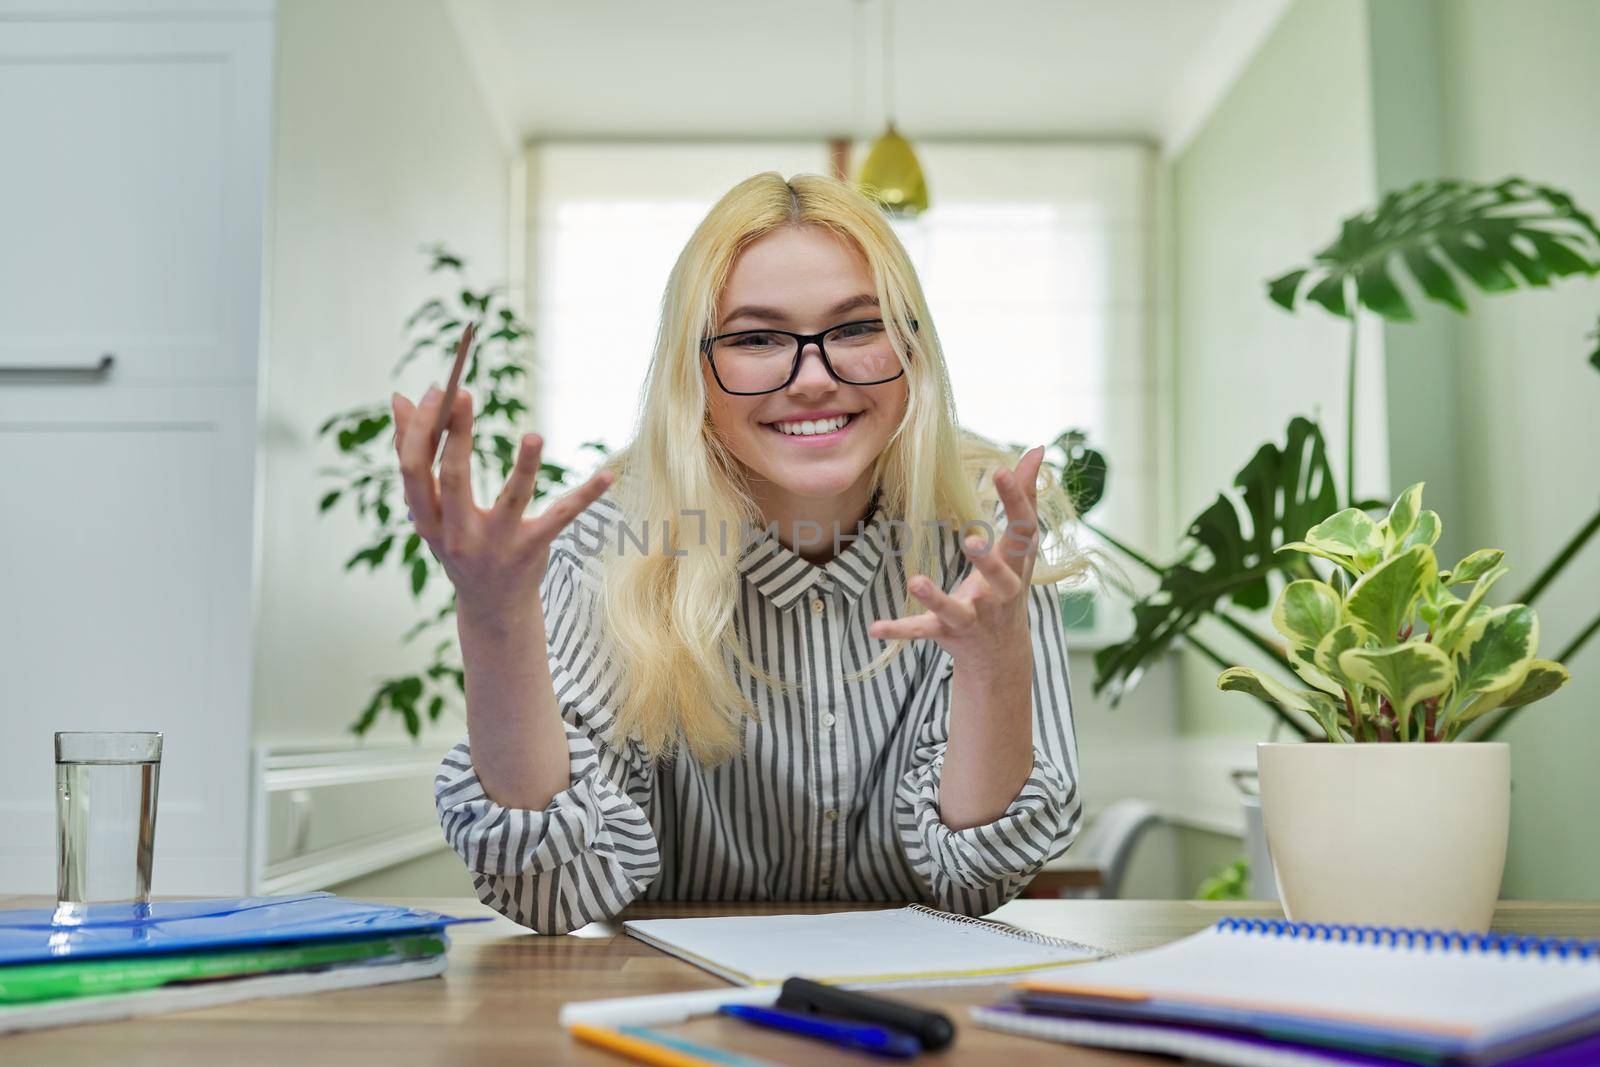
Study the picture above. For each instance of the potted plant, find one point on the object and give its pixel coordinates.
(1387, 824)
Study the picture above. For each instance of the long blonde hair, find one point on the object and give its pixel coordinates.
(669, 616)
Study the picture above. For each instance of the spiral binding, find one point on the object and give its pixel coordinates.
(1427, 940)
(1033, 937)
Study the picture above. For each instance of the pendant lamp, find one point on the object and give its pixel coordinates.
(891, 174)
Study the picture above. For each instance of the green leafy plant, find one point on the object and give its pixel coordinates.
(368, 481)
(1498, 238)
(1390, 650)
(1231, 882)
(1232, 539)
(1438, 238)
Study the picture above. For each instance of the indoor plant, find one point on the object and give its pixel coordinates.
(369, 480)
(1385, 824)
(1438, 240)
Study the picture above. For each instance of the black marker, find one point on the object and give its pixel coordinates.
(931, 1028)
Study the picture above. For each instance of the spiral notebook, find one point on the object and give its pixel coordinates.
(901, 946)
(1418, 996)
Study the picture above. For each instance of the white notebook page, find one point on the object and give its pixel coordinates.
(1482, 995)
(843, 946)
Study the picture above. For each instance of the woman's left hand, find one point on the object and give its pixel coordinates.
(984, 622)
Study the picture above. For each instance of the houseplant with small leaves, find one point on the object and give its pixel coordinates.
(368, 482)
(1387, 824)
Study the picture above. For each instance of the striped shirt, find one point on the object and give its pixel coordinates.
(835, 795)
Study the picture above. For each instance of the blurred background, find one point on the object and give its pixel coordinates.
(232, 227)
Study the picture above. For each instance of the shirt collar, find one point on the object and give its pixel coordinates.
(783, 577)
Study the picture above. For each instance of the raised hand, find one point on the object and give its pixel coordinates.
(984, 622)
(494, 556)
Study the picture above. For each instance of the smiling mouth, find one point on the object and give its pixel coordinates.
(812, 427)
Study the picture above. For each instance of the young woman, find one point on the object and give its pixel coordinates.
(782, 659)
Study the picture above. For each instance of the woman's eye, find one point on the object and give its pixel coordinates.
(861, 329)
(755, 340)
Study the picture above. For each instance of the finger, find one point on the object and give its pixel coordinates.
(520, 487)
(996, 570)
(1028, 474)
(911, 628)
(416, 467)
(455, 472)
(401, 420)
(555, 518)
(1022, 523)
(957, 615)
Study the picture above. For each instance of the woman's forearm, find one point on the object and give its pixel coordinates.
(519, 743)
(989, 755)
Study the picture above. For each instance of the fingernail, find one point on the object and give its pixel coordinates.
(433, 391)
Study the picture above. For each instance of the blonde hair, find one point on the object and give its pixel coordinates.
(669, 616)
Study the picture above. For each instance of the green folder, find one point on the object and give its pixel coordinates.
(31, 982)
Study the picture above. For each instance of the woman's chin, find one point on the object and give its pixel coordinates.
(815, 481)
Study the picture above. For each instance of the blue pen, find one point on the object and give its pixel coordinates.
(878, 1040)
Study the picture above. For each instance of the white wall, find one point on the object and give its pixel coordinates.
(1262, 186)
(1520, 87)
(383, 144)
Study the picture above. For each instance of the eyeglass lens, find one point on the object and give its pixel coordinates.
(759, 361)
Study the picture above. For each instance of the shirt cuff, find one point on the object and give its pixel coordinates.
(1037, 825)
(592, 815)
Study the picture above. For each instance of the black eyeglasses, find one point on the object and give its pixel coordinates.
(753, 362)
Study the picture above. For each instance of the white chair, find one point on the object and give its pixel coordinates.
(1108, 844)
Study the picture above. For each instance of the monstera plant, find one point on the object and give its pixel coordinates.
(1437, 239)
(1392, 647)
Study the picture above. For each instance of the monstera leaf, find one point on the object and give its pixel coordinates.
(1496, 237)
(1282, 493)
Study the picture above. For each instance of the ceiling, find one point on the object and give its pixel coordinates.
(1142, 68)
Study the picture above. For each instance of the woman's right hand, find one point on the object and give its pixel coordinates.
(495, 557)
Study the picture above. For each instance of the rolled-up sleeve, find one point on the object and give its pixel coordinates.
(975, 870)
(591, 850)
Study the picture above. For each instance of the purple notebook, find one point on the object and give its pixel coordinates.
(1233, 1047)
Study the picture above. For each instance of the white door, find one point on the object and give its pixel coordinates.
(131, 204)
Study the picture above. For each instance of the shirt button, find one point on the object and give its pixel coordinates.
(816, 606)
(831, 814)
(828, 720)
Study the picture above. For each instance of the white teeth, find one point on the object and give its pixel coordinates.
(809, 427)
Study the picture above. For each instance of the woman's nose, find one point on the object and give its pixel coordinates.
(813, 376)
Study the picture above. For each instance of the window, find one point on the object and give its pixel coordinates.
(1034, 258)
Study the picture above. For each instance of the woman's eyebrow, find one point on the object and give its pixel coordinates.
(753, 311)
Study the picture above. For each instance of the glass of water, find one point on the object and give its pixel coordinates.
(106, 787)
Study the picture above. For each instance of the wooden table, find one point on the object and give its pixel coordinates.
(497, 1004)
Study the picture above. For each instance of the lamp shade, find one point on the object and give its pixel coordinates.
(892, 176)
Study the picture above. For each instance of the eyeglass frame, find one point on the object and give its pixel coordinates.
(801, 340)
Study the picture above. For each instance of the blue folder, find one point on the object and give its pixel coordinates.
(30, 935)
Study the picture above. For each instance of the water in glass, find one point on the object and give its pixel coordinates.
(105, 819)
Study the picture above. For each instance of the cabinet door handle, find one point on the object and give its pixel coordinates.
(98, 369)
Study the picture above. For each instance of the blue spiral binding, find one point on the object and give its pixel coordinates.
(1427, 940)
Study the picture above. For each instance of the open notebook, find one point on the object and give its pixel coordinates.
(907, 946)
(1421, 996)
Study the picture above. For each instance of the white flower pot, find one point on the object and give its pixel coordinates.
(1387, 834)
